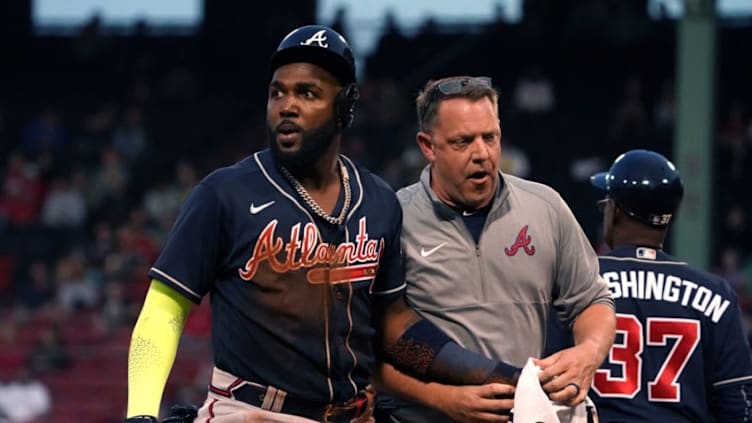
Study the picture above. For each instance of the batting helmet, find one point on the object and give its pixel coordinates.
(321, 46)
(326, 48)
(644, 185)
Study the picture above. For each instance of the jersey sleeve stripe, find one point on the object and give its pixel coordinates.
(176, 282)
(393, 290)
(734, 380)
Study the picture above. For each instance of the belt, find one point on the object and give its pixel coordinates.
(276, 400)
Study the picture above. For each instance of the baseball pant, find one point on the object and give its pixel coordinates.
(226, 409)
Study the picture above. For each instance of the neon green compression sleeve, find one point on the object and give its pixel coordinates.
(154, 343)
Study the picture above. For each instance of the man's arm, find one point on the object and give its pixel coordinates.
(732, 366)
(154, 344)
(594, 331)
(481, 403)
(419, 348)
(730, 402)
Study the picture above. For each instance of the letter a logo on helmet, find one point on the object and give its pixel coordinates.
(321, 46)
(318, 38)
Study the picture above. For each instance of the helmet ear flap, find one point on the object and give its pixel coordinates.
(345, 104)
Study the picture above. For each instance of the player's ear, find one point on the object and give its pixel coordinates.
(426, 145)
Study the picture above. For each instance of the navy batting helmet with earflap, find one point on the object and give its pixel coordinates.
(321, 46)
(644, 185)
(328, 49)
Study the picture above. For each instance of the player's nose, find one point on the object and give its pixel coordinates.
(288, 106)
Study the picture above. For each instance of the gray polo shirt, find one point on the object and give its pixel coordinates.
(494, 297)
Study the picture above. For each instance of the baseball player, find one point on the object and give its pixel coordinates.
(486, 255)
(299, 249)
(681, 353)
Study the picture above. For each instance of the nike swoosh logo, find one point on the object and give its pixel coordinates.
(468, 213)
(256, 209)
(426, 253)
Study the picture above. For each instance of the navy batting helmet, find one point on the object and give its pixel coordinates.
(321, 46)
(643, 184)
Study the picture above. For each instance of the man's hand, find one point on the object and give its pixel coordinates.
(566, 375)
(483, 403)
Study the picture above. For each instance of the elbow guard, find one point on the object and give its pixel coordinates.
(427, 353)
(417, 348)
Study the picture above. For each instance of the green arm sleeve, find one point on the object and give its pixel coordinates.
(154, 343)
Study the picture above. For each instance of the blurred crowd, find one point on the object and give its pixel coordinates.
(96, 162)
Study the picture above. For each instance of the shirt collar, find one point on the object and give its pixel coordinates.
(447, 212)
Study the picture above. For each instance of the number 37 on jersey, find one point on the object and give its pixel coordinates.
(637, 342)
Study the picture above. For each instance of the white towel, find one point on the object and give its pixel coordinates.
(531, 404)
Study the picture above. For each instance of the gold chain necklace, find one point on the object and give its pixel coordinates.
(313, 205)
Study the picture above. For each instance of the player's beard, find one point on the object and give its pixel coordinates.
(313, 144)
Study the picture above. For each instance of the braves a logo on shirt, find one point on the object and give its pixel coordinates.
(345, 262)
(523, 241)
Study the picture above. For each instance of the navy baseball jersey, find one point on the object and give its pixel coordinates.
(679, 338)
(291, 294)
